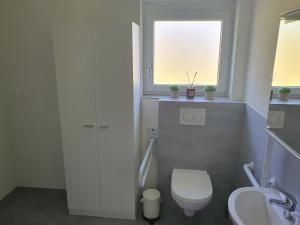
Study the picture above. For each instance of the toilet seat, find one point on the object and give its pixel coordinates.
(191, 186)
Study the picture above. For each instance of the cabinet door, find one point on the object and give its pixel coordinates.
(76, 94)
(113, 57)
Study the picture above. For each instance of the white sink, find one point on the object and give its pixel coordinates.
(250, 206)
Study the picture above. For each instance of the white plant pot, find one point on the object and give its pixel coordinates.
(174, 94)
(283, 96)
(210, 95)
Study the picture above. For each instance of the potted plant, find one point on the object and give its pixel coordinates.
(283, 93)
(191, 91)
(209, 92)
(174, 91)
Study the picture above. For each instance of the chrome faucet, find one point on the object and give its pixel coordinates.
(288, 204)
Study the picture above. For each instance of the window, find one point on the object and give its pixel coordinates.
(186, 46)
(176, 44)
(287, 67)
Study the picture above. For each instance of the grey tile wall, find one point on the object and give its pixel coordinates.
(253, 144)
(234, 135)
(284, 167)
(291, 130)
(214, 147)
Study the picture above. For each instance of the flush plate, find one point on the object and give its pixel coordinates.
(276, 119)
(192, 116)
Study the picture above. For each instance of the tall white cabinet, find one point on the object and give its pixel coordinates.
(98, 81)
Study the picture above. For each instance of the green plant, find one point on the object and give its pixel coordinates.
(285, 90)
(174, 88)
(209, 88)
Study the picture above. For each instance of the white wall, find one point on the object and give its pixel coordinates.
(289, 5)
(239, 61)
(28, 64)
(262, 51)
(7, 179)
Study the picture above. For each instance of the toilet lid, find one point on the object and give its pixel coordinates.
(191, 186)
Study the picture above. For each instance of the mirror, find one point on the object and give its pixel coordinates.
(284, 108)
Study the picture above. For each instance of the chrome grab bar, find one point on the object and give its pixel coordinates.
(248, 168)
(145, 165)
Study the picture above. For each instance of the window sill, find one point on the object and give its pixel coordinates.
(197, 99)
(289, 102)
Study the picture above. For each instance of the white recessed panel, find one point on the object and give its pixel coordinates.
(191, 116)
(276, 119)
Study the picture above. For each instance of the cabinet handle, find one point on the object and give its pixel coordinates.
(88, 126)
(103, 126)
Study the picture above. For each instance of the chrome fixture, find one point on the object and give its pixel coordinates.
(288, 204)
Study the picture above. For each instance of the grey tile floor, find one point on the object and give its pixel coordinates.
(28, 206)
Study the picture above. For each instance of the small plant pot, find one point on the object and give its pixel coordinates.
(283, 96)
(190, 93)
(210, 95)
(174, 94)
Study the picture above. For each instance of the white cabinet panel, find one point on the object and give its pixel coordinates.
(76, 91)
(97, 87)
(113, 61)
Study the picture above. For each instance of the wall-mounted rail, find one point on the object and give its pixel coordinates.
(248, 168)
(146, 163)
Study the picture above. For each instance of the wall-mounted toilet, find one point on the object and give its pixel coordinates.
(191, 189)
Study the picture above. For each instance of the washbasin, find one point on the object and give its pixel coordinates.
(250, 206)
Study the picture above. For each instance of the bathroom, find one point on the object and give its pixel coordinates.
(71, 148)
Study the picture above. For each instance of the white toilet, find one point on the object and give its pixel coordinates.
(191, 189)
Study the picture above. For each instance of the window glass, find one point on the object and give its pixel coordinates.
(287, 64)
(186, 46)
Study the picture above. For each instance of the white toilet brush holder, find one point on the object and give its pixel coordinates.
(151, 204)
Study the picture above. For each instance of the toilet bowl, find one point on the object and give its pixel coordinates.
(191, 189)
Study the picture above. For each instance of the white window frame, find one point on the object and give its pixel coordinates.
(225, 50)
